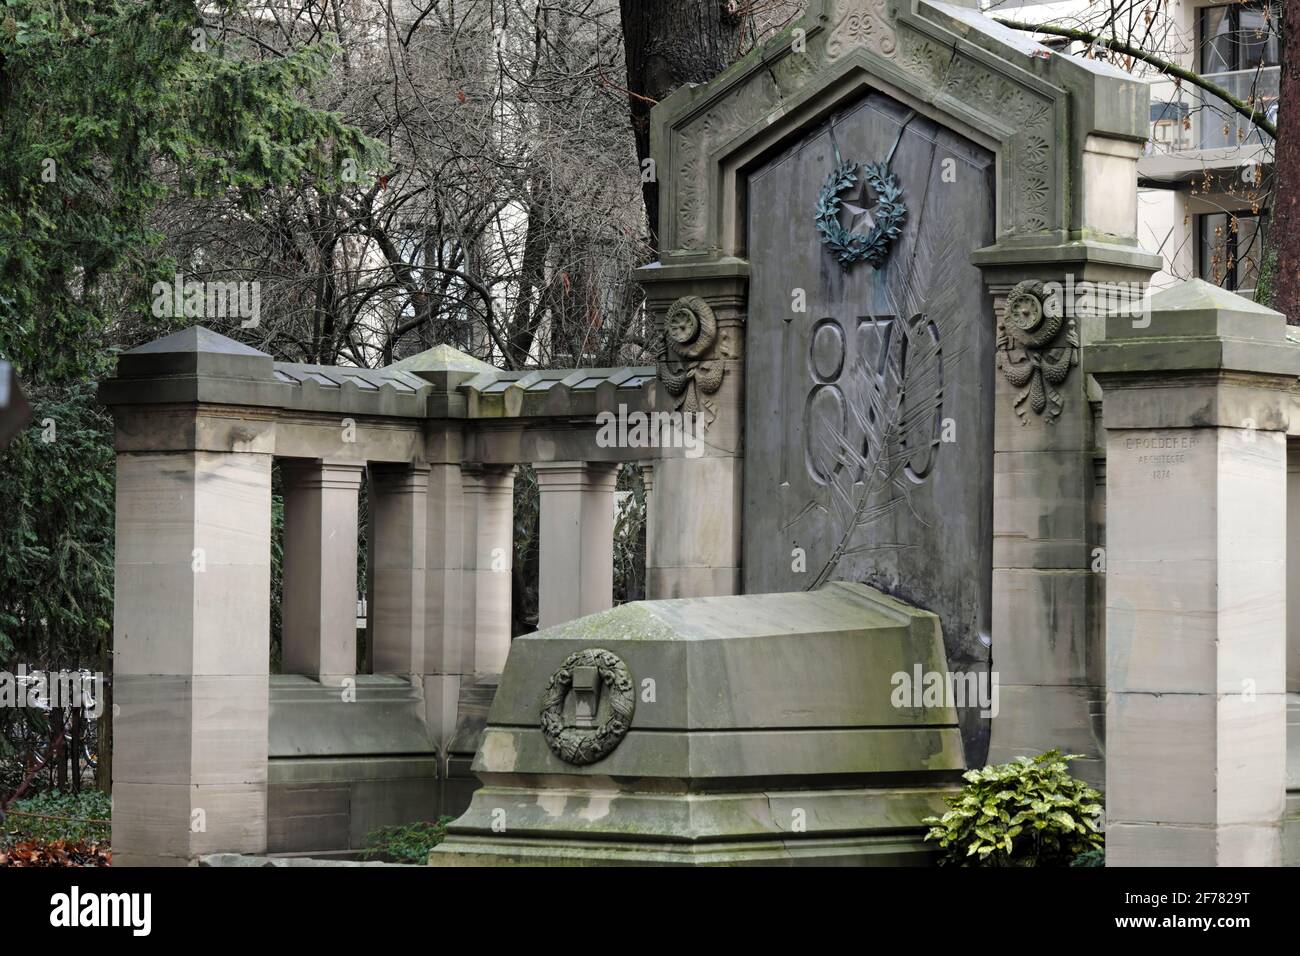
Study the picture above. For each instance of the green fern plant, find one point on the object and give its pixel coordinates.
(405, 843)
(1030, 812)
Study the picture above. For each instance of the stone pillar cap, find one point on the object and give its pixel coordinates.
(196, 349)
(194, 364)
(1197, 307)
(444, 366)
(1195, 326)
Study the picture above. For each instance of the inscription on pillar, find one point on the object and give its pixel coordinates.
(1161, 455)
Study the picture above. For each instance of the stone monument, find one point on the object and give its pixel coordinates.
(886, 235)
(755, 729)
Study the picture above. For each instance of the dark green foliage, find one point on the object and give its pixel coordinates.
(1094, 857)
(56, 540)
(629, 537)
(629, 544)
(59, 816)
(1023, 813)
(108, 107)
(277, 569)
(525, 569)
(408, 843)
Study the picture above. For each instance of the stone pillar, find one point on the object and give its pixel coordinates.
(320, 569)
(1045, 644)
(1293, 568)
(1196, 407)
(398, 496)
(576, 540)
(448, 642)
(191, 624)
(489, 558)
(648, 482)
(694, 544)
(192, 600)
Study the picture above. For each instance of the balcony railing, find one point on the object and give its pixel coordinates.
(1186, 117)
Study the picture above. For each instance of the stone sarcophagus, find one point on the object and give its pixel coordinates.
(769, 728)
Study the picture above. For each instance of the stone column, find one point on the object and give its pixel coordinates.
(489, 558)
(576, 539)
(191, 620)
(694, 544)
(1196, 407)
(1045, 644)
(398, 496)
(648, 482)
(448, 642)
(1293, 568)
(192, 598)
(320, 569)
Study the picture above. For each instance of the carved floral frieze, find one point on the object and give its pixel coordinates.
(869, 25)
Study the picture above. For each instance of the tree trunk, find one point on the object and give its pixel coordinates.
(1284, 231)
(75, 750)
(668, 43)
(532, 276)
(58, 750)
(104, 743)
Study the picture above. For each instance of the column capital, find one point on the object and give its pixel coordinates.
(407, 478)
(576, 476)
(723, 283)
(305, 473)
(1090, 260)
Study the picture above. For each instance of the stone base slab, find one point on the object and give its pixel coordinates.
(559, 827)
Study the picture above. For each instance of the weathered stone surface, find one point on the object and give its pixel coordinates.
(1196, 581)
(890, 365)
(763, 720)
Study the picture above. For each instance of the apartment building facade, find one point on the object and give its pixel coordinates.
(1205, 177)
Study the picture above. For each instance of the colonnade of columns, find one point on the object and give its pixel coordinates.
(441, 556)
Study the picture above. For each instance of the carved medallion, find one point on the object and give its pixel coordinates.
(690, 332)
(1037, 345)
(591, 675)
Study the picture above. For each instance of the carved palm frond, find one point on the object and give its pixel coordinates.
(895, 401)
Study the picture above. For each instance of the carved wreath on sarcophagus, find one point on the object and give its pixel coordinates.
(1037, 346)
(688, 371)
(610, 678)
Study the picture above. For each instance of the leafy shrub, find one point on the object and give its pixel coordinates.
(1024, 813)
(1094, 857)
(54, 817)
(408, 843)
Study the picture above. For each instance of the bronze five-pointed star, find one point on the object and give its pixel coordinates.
(862, 211)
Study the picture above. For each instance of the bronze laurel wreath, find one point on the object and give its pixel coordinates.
(586, 746)
(850, 247)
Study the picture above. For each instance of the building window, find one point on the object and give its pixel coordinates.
(1230, 249)
(1239, 37)
(1170, 127)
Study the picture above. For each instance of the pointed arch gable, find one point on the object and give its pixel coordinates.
(1033, 108)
